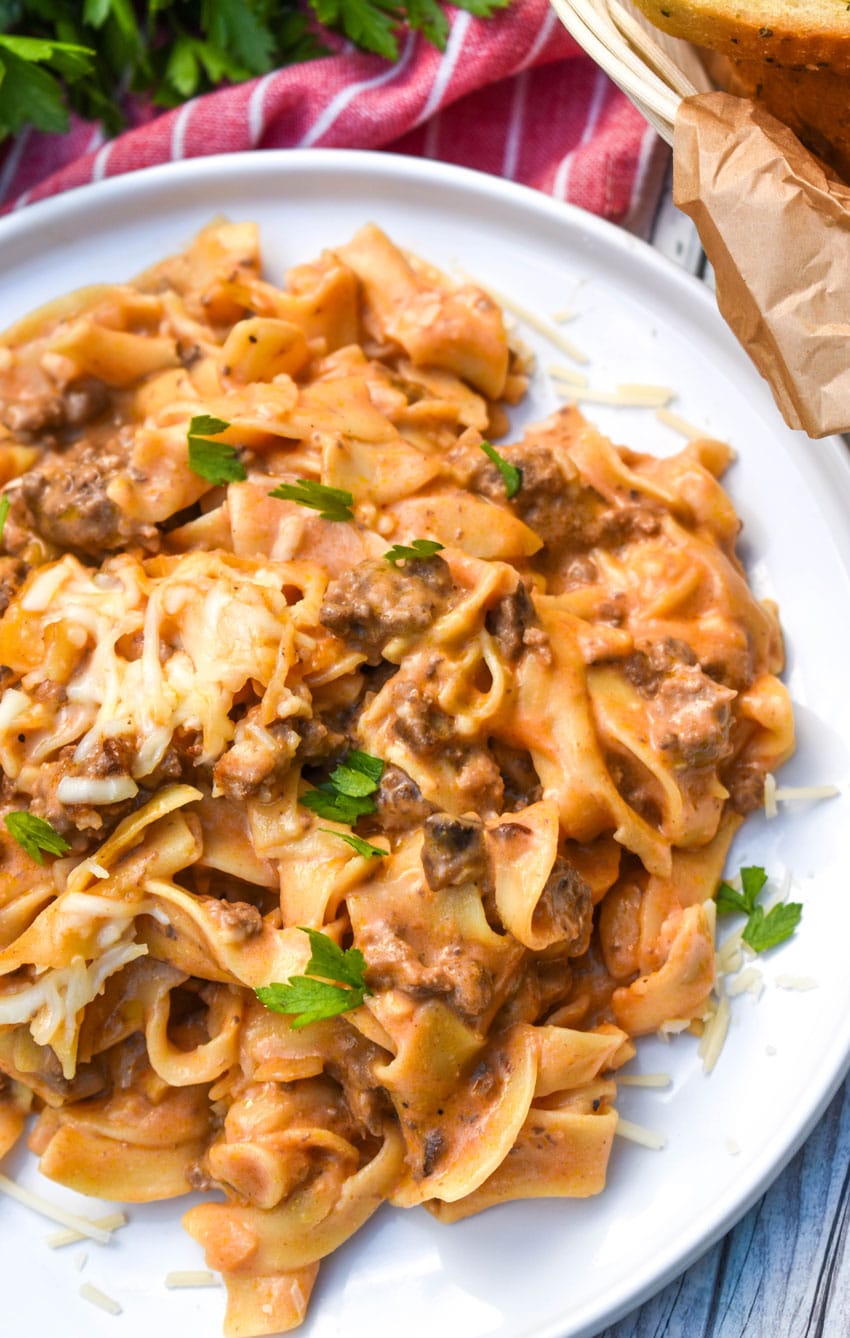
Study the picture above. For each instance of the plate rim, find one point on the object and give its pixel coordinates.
(831, 470)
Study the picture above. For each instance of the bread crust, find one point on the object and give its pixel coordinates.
(776, 32)
(815, 104)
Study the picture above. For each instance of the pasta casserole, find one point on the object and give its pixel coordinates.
(365, 785)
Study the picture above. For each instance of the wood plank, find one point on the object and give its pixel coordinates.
(784, 1270)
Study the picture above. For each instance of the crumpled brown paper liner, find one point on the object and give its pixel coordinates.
(775, 225)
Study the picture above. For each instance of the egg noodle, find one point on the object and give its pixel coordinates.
(505, 765)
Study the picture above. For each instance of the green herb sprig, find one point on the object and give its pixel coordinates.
(83, 54)
(511, 474)
(347, 794)
(35, 835)
(215, 461)
(417, 548)
(763, 929)
(307, 999)
(357, 843)
(331, 503)
(5, 504)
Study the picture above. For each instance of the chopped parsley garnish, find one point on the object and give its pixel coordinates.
(35, 835)
(4, 511)
(418, 548)
(357, 843)
(215, 461)
(511, 474)
(764, 929)
(346, 795)
(328, 803)
(359, 774)
(308, 999)
(331, 503)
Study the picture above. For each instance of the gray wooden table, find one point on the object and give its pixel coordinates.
(784, 1270)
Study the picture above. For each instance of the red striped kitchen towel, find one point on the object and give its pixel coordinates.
(512, 95)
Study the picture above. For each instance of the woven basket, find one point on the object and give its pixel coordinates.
(654, 70)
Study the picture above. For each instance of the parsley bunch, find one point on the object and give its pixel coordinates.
(85, 54)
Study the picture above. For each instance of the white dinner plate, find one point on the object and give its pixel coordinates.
(549, 1268)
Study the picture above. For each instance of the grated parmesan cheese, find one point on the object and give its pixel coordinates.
(713, 1038)
(750, 981)
(637, 1133)
(535, 322)
(796, 983)
(95, 1296)
(770, 809)
(680, 424)
(110, 1223)
(82, 1225)
(191, 1277)
(567, 374)
(629, 397)
(784, 793)
(733, 1148)
(644, 1080)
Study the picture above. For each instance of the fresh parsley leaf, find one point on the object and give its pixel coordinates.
(215, 461)
(359, 774)
(753, 880)
(29, 93)
(329, 803)
(418, 548)
(35, 835)
(482, 9)
(232, 26)
(357, 843)
(730, 902)
(372, 24)
(429, 18)
(332, 962)
(307, 999)
(4, 511)
(345, 796)
(183, 72)
(511, 474)
(331, 503)
(764, 931)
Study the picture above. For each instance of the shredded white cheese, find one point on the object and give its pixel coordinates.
(95, 1296)
(796, 983)
(637, 1133)
(732, 1147)
(96, 789)
(714, 1036)
(680, 424)
(191, 1277)
(538, 323)
(750, 981)
(644, 1080)
(110, 1223)
(567, 374)
(82, 1225)
(629, 397)
(785, 793)
(770, 809)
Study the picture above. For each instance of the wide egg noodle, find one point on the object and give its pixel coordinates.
(575, 701)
